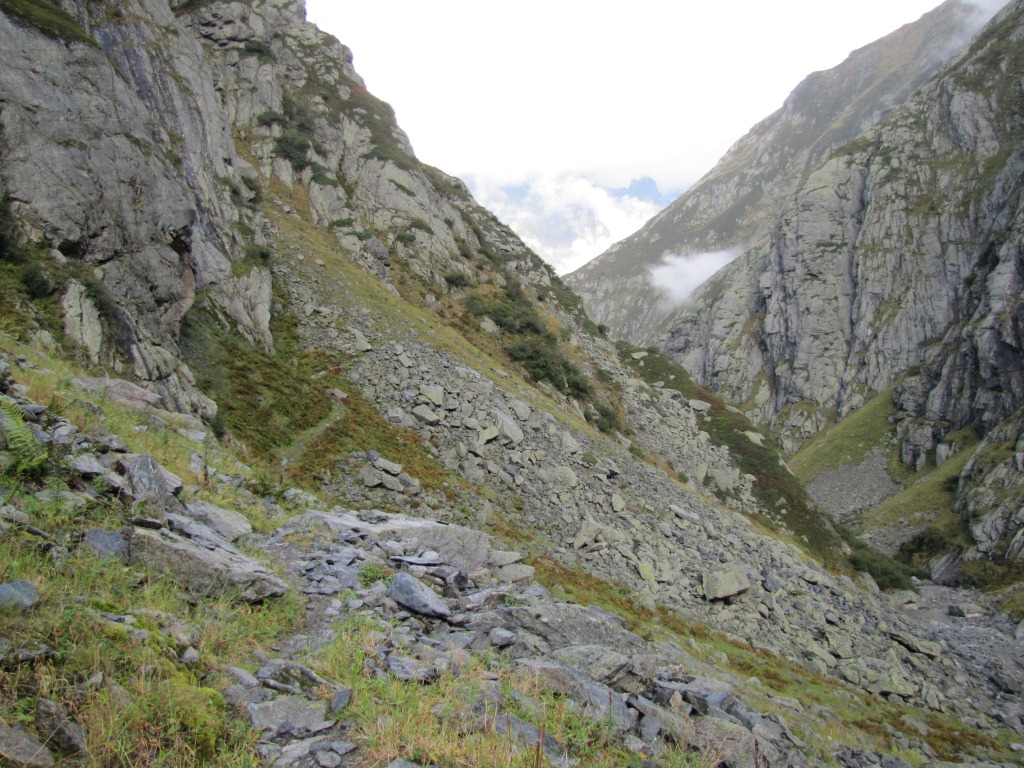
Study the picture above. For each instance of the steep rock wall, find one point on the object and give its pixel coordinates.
(897, 262)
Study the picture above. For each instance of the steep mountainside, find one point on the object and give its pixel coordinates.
(896, 263)
(734, 206)
(217, 247)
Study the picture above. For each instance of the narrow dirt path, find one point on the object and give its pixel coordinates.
(337, 411)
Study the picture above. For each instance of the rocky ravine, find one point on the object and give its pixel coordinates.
(183, 231)
(629, 523)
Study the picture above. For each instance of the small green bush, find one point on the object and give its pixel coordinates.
(294, 148)
(218, 425)
(270, 117)
(323, 176)
(254, 187)
(258, 253)
(456, 279)
(7, 231)
(260, 50)
(49, 18)
(38, 284)
(604, 417)
(300, 116)
(888, 573)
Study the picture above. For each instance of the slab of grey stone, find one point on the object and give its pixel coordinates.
(526, 737)
(340, 700)
(56, 728)
(502, 638)
(228, 523)
(18, 596)
(719, 585)
(410, 669)
(296, 711)
(430, 557)
(417, 596)
(21, 749)
(147, 481)
(210, 567)
(598, 700)
(104, 543)
(424, 414)
(87, 465)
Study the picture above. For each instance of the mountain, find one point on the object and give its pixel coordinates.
(306, 459)
(733, 207)
(895, 266)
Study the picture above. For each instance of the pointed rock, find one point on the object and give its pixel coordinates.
(417, 596)
(20, 749)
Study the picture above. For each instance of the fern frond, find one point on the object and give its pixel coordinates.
(25, 453)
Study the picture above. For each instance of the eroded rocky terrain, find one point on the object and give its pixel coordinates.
(268, 274)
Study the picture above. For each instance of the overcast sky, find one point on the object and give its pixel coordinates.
(550, 109)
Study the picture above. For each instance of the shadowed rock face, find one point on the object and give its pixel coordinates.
(735, 205)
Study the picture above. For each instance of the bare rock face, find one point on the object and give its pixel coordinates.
(117, 161)
(896, 263)
(82, 322)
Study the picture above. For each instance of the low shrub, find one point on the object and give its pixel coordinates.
(372, 573)
(294, 148)
(38, 283)
(456, 279)
(258, 253)
(888, 573)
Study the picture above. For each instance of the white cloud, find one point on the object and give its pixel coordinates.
(679, 276)
(566, 218)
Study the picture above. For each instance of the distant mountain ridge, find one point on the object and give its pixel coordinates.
(733, 206)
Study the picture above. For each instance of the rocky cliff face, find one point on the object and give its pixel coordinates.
(896, 262)
(122, 155)
(734, 206)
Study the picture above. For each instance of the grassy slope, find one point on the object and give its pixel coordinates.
(48, 17)
(847, 442)
(175, 715)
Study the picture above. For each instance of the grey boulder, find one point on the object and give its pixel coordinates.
(417, 597)
(228, 523)
(20, 749)
(597, 700)
(208, 567)
(721, 585)
(18, 596)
